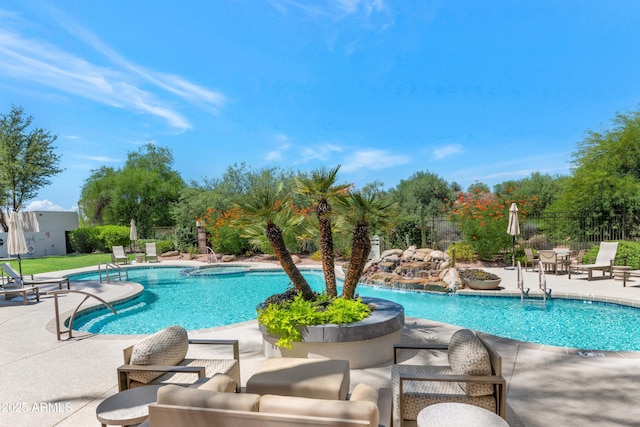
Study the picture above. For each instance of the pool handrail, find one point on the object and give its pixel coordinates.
(87, 295)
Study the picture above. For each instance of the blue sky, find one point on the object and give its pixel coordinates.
(470, 90)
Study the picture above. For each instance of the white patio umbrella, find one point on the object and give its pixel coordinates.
(133, 233)
(16, 243)
(513, 229)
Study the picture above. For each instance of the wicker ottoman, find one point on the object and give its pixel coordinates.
(314, 378)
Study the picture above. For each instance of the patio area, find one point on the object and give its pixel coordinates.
(60, 383)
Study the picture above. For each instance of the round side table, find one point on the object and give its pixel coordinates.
(458, 415)
(127, 407)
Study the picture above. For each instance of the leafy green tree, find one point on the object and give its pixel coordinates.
(320, 186)
(541, 189)
(145, 189)
(367, 214)
(27, 161)
(424, 194)
(478, 187)
(605, 186)
(267, 207)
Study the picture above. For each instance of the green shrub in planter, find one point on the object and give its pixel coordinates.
(283, 318)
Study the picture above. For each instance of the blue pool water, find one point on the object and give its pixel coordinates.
(220, 297)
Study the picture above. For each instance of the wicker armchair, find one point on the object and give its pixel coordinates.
(474, 376)
(161, 359)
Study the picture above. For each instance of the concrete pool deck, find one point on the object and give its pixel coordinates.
(47, 382)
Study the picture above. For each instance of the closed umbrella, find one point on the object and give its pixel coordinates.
(16, 243)
(133, 233)
(513, 229)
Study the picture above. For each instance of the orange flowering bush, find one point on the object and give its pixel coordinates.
(483, 218)
(224, 237)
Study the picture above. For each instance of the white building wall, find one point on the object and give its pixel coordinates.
(50, 237)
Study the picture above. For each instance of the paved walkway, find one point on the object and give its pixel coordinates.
(46, 382)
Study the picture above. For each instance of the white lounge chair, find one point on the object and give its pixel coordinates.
(150, 252)
(604, 260)
(118, 255)
(14, 278)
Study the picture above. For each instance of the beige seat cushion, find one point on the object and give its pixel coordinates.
(468, 356)
(346, 409)
(315, 378)
(219, 382)
(420, 394)
(185, 396)
(167, 347)
(364, 393)
(229, 367)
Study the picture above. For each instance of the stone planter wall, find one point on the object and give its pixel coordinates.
(364, 344)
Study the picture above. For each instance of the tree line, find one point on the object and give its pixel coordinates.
(603, 185)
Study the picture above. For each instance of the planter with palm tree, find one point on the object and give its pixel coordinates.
(362, 333)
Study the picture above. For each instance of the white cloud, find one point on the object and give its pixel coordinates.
(120, 84)
(446, 151)
(46, 205)
(319, 152)
(103, 159)
(374, 160)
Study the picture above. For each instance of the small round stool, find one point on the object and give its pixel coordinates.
(458, 415)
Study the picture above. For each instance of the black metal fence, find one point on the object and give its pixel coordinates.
(541, 232)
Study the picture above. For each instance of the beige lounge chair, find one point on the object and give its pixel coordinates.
(161, 359)
(14, 277)
(473, 376)
(150, 252)
(604, 260)
(118, 255)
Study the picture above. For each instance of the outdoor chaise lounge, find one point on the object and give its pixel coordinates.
(150, 252)
(14, 277)
(604, 260)
(161, 359)
(473, 376)
(118, 255)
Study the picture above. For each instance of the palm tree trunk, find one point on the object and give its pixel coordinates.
(361, 247)
(274, 234)
(326, 247)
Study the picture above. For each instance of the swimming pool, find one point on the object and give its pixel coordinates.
(222, 297)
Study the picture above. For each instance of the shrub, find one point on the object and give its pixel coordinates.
(85, 240)
(163, 246)
(407, 233)
(283, 316)
(185, 238)
(100, 238)
(464, 252)
(477, 274)
(483, 219)
(114, 235)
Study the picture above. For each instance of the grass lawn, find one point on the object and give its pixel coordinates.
(66, 262)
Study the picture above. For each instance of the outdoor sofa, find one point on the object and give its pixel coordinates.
(212, 403)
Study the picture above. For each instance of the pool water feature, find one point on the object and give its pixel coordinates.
(197, 300)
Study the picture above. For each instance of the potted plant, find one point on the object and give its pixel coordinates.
(476, 278)
(288, 316)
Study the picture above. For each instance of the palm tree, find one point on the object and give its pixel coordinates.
(320, 186)
(367, 212)
(263, 205)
